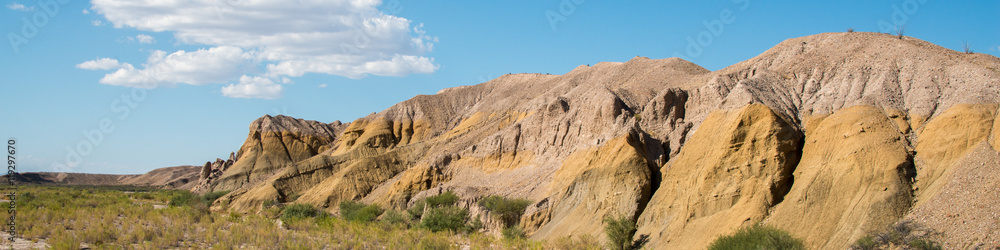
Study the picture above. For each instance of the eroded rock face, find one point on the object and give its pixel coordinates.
(734, 168)
(825, 136)
(947, 138)
(855, 177)
(273, 143)
(610, 180)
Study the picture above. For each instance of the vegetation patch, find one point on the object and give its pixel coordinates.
(620, 230)
(360, 212)
(66, 217)
(508, 211)
(299, 211)
(757, 237)
(904, 234)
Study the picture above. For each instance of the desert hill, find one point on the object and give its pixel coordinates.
(179, 177)
(829, 137)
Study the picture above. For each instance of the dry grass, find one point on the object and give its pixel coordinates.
(65, 217)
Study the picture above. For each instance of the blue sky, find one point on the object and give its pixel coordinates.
(178, 84)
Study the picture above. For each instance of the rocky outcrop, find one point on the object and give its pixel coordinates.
(854, 178)
(732, 171)
(853, 131)
(273, 143)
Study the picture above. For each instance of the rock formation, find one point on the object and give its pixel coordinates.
(830, 137)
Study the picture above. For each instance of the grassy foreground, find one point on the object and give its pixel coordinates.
(110, 217)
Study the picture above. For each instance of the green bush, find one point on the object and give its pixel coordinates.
(393, 217)
(360, 212)
(508, 211)
(184, 198)
(757, 237)
(209, 198)
(446, 199)
(620, 231)
(299, 210)
(515, 232)
(417, 209)
(449, 218)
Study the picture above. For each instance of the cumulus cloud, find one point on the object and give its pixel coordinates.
(19, 7)
(100, 64)
(143, 38)
(350, 38)
(253, 87)
(203, 66)
(322, 85)
(97, 22)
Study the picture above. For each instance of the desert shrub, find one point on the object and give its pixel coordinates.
(903, 233)
(299, 210)
(620, 230)
(508, 211)
(393, 217)
(446, 199)
(360, 212)
(585, 241)
(183, 198)
(757, 237)
(475, 225)
(209, 198)
(515, 232)
(417, 209)
(144, 196)
(448, 218)
(865, 243)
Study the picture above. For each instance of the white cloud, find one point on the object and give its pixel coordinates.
(350, 38)
(253, 87)
(85, 11)
(143, 38)
(97, 22)
(322, 85)
(100, 64)
(215, 65)
(19, 7)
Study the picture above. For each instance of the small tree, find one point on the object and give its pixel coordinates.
(966, 47)
(620, 231)
(900, 30)
(508, 211)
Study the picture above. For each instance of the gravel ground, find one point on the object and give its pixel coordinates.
(966, 214)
